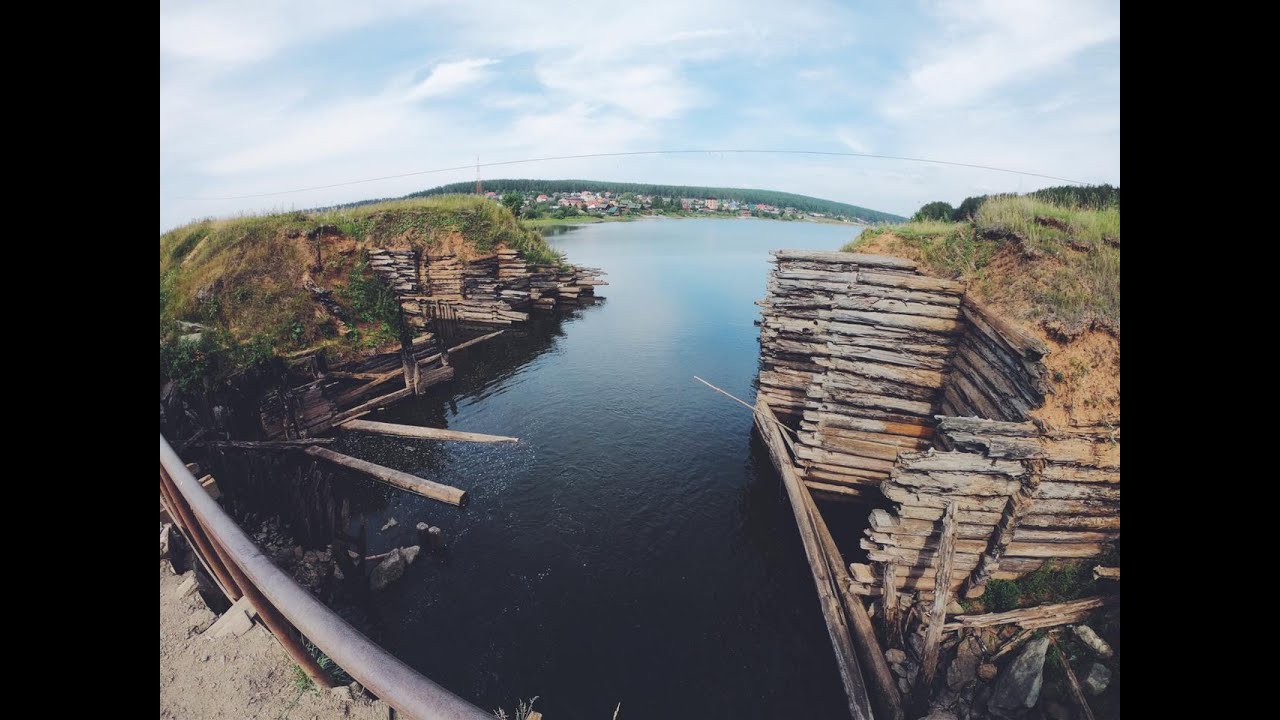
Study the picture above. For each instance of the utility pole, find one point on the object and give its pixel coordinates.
(479, 185)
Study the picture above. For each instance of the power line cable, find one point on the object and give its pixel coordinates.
(630, 154)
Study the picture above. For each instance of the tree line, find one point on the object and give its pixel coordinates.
(1082, 196)
(803, 203)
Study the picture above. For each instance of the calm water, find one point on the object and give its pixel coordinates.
(636, 547)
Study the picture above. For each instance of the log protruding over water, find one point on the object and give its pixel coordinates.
(402, 480)
(426, 433)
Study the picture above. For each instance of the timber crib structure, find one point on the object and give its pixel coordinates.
(903, 392)
(436, 293)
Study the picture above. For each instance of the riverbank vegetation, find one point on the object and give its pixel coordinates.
(234, 292)
(1054, 263)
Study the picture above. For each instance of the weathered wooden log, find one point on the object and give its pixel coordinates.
(910, 282)
(1038, 614)
(956, 483)
(475, 341)
(427, 433)
(893, 320)
(1077, 693)
(370, 406)
(938, 613)
(828, 595)
(898, 307)
(857, 259)
(917, 428)
(402, 480)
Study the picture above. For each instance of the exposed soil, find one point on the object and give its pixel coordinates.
(234, 678)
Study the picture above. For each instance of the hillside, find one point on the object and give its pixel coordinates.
(1052, 268)
(767, 197)
(271, 285)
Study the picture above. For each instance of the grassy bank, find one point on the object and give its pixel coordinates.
(1053, 264)
(246, 280)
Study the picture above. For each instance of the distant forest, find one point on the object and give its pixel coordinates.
(742, 195)
(1085, 196)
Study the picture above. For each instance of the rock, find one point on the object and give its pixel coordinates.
(898, 669)
(186, 588)
(298, 551)
(964, 668)
(987, 672)
(390, 524)
(165, 531)
(1095, 643)
(940, 714)
(955, 608)
(342, 692)
(894, 655)
(357, 690)
(410, 553)
(387, 571)
(904, 686)
(1098, 680)
(1018, 688)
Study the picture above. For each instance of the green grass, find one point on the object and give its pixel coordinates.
(1068, 272)
(242, 277)
(1052, 582)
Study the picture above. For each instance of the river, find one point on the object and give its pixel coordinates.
(636, 546)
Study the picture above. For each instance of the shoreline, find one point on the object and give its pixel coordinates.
(544, 223)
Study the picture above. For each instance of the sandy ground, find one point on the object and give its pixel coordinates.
(234, 678)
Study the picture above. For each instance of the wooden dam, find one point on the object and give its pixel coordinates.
(884, 386)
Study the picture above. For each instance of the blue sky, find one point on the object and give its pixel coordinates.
(263, 96)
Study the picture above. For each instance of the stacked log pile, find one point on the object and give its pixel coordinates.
(857, 346)
(444, 277)
(398, 269)
(997, 371)
(1022, 496)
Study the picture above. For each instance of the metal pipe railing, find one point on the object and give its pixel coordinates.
(397, 684)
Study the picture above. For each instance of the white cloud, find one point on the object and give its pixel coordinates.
(450, 77)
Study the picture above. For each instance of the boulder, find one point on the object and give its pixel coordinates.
(940, 714)
(387, 571)
(988, 672)
(964, 668)
(894, 655)
(1018, 688)
(410, 553)
(389, 524)
(166, 531)
(1098, 679)
(234, 622)
(1095, 643)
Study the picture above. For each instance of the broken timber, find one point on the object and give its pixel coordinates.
(402, 480)
(414, 431)
(828, 594)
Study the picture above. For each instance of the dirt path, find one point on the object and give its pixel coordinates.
(202, 677)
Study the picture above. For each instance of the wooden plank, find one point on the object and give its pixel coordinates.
(828, 594)
(371, 405)
(475, 341)
(402, 480)
(938, 613)
(414, 431)
(1022, 616)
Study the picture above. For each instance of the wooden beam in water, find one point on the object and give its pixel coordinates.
(474, 341)
(828, 595)
(302, 444)
(414, 431)
(402, 480)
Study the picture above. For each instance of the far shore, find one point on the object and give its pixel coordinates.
(547, 222)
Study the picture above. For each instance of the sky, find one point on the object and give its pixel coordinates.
(259, 97)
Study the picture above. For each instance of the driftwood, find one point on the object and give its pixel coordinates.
(402, 480)
(1106, 573)
(475, 341)
(828, 594)
(1073, 682)
(413, 431)
(938, 614)
(1039, 616)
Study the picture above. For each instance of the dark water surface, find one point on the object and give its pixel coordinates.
(635, 547)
